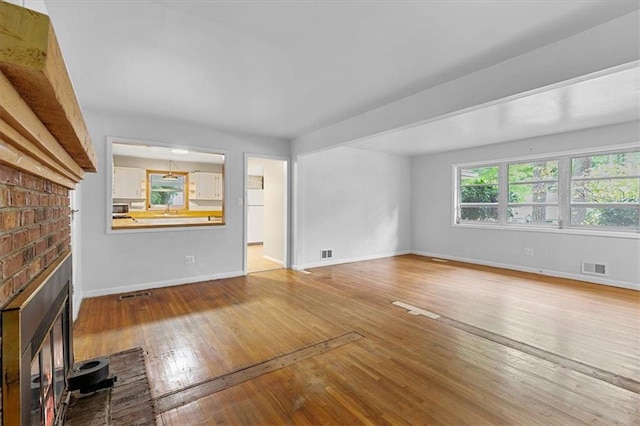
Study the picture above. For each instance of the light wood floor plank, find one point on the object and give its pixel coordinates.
(181, 397)
(256, 262)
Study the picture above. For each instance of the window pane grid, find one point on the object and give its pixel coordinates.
(605, 191)
(607, 165)
(621, 205)
(597, 191)
(479, 193)
(606, 217)
(583, 179)
(533, 193)
(529, 182)
(166, 193)
(531, 204)
(533, 215)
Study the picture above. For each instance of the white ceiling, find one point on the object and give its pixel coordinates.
(139, 150)
(286, 68)
(601, 100)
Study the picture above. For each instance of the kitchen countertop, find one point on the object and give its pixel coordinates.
(159, 220)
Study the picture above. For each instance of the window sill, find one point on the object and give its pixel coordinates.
(634, 235)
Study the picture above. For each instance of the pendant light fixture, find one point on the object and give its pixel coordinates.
(170, 175)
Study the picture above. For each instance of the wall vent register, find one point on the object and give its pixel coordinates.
(592, 268)
(326, 254)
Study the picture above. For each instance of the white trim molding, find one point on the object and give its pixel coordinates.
(558, 274)
(349, 260)
(77, 302)
(161, 284)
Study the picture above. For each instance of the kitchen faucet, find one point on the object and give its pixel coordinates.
(167, 211)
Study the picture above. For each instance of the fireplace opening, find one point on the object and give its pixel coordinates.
(48, 374)
(37, 351)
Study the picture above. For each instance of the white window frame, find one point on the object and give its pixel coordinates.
(595, 205)
(185, 191)
(459, 205)
(564, 194)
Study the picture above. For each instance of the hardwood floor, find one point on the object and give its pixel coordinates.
(256, 262)
(406, 369)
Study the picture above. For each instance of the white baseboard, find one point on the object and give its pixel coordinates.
(578, 277)
(160, 284)
(77, 301)
(338, 261)
(274, 260)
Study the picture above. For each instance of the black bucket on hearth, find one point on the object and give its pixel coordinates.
(91, 375)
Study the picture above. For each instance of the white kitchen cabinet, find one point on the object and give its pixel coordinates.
(206, 186)
(128, 182)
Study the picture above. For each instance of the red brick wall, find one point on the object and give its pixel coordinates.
(34, 228)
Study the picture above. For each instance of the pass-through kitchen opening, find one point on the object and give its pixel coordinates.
(156, 186)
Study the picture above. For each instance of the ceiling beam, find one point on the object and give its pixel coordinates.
(604, 46)
(31, 60)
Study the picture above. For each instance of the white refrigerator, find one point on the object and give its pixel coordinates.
(255, 215)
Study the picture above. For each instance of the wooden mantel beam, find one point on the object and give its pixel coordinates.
(31, 60)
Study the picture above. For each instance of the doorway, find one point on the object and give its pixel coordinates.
(266, 214)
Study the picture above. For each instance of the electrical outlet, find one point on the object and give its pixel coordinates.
(528, 252)
(189, 260)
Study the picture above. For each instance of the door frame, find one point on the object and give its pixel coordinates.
(287, 210)
(76, 250)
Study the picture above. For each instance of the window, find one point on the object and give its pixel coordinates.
(605, 190)
(533, 193)
(584, 191)
(167, 190)
(479, 194)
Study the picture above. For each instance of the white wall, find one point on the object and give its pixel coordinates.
(119, 262)
(275, 203)
(555, 253)
(352, 201)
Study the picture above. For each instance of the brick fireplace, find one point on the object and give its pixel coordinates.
(35, 227)
(45, 150)
(34, 230)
